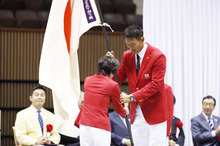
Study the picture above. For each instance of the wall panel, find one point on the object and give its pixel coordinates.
(16, 95)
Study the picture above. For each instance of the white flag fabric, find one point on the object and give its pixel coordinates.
(59, 69)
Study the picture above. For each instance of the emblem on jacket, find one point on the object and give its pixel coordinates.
(146, 76)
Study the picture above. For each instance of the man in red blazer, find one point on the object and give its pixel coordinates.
(145, 74)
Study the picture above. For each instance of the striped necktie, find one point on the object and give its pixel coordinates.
(211, 126)
(40, 121)
(210, 123)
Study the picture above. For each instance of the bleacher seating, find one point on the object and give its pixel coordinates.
(35, 5)
(27, 19)
(116, 21)
(48, 4)
(34, 13)
(7, 18)
(14, 5)
(106, 6)
(133, 19)
(43, 17)
(126, 8)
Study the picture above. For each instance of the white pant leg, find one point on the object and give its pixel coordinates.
(145, 134)
(85, 139)
(158, 134)
(140, 132)
(101, 137)
(90, 136)
(139, 129)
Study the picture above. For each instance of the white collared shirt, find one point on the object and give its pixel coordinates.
(141, 54)
(37, 110)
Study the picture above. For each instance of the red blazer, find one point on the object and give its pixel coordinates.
(170, 104)
(99, 92)
(148, 87)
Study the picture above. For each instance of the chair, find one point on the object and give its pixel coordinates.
(133, 19)
(7, 18)
(14, 5)
(48, 4)
(115, 20)
(43, 16)
(116, 2)
(35, 5)
(27, 19)
(106, 6)
(2, 2)
(126, 8)
(15, 138)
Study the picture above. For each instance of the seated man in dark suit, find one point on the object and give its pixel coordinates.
(176, 136)
(205, 127)
(119, 131)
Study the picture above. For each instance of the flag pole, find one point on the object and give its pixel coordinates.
(116, 78)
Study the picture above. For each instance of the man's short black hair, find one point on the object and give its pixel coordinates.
(133, 31)
(209, 97)
(107, 65)
(37, 87)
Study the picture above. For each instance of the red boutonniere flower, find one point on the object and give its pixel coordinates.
(218, 138)
(179, 124)
(49, 129)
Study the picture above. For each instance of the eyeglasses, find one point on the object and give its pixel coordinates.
(206, 104)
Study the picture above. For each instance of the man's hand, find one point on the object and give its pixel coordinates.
(171, 143)
(48, 141)
(217, 131)
(41, 141)
(127, 142)
(125, 98)
(127, 110)
(110, 54)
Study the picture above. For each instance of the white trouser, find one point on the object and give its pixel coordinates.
(148, 135)
(90, 136)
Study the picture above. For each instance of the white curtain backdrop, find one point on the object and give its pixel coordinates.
(188, 32)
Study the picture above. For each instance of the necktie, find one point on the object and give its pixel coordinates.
(210, 123)
(138, 64)
(40, 121)
(212, 127)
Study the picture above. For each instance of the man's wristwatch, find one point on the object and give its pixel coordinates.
(132, 98)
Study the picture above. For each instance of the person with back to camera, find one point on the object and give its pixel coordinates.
(144, 66)
(205, 127)
(99, 92)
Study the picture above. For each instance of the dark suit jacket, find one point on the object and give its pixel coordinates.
(118, 129)
(148, 87)
(201, 130)
(181, 137)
